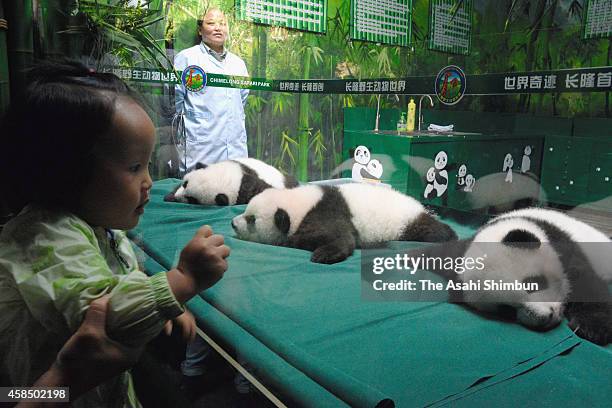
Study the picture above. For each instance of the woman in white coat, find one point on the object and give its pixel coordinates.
(213, 116)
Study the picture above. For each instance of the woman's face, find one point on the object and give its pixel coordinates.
(214, 29)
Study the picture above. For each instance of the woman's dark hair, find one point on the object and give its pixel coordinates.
(48, 134)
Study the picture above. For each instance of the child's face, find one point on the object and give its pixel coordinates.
(119, 189)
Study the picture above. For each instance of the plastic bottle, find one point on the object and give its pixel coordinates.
(401, 124)
(411, 115)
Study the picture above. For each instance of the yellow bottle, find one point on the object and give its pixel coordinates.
(411, 115)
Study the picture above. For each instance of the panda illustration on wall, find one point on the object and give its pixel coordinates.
(331, 221)
(469, 183)
(229, 182)
(507, 167)
(461, 173)
(441, 180)
(362, 157)
(526, 163)
(439, 184)
(373, 171)
(430, 191)
(567, 259)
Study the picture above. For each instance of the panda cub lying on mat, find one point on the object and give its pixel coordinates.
(332, 221)
(229, 182)
(570, 261)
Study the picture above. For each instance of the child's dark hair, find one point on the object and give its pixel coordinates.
(47, 136)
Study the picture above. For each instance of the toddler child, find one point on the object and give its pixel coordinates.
(75, 153)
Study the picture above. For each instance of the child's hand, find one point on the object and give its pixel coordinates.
(186, 323)
(90, 357)
(203, 258)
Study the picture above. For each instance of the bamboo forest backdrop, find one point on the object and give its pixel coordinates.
(302, 133)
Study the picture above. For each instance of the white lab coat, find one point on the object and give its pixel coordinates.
(214, 116)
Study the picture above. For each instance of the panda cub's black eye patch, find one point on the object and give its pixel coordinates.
(540, 280)
(521, 239)
(221, 199)
(250, 219)
(185, 184)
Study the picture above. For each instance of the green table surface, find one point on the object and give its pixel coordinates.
(308, 333)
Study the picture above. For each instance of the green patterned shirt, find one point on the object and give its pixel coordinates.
(52, 265)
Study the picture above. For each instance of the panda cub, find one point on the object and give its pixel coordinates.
(229, 182)
(570, 261)
(332, 221)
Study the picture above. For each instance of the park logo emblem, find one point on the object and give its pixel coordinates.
(193, 78)
(450, 85)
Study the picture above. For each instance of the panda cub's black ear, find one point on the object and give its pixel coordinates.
(282, 221)
(521, 239)
(200, 165)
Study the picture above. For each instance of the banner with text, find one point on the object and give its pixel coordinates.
(597, 79)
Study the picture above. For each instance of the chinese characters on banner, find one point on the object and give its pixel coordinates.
(560, 82)
(597, 79)
(288, 86)
(143, 74)
(375, 86)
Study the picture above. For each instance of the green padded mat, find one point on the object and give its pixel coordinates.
(330, 348)
(279, 376)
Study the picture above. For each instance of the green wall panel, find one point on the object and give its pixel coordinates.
(593, 127)
(407, 158)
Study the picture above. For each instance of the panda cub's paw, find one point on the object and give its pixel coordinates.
(329, 254)
(592, 321)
